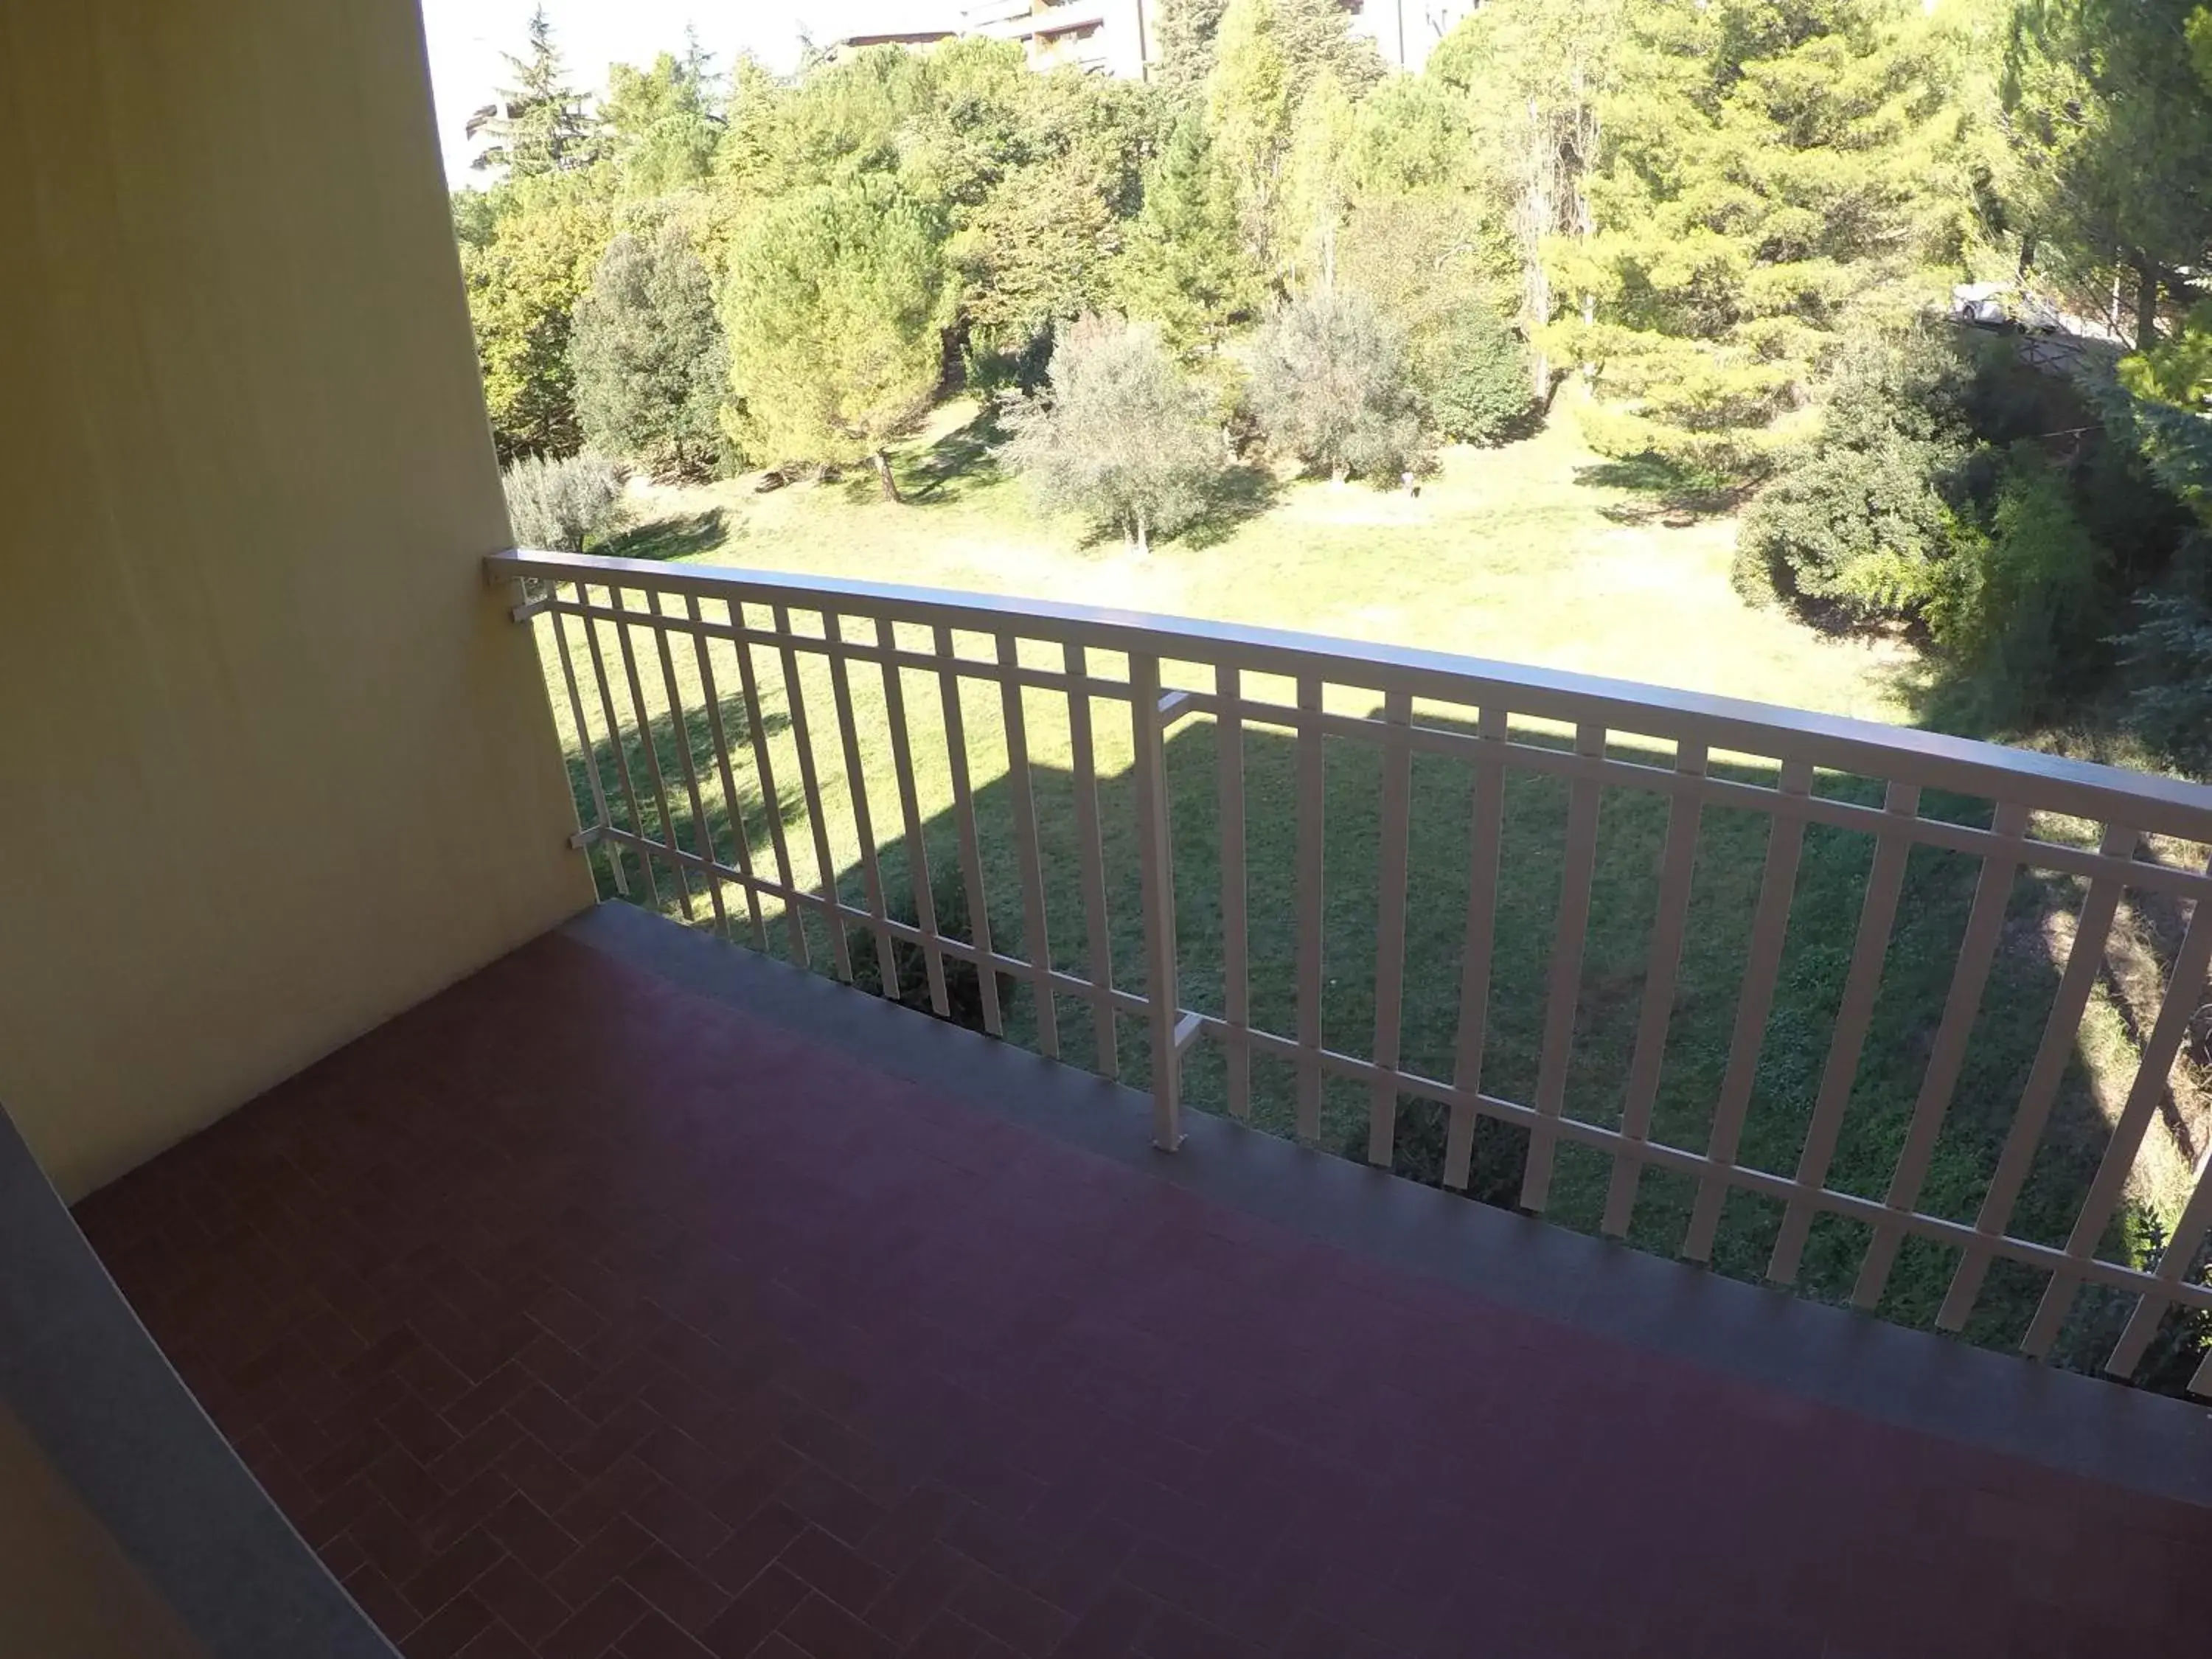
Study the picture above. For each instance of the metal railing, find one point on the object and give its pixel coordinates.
(599, 617)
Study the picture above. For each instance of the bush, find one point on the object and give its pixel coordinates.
(1476, 374)
(1865, 517)
(2170, 649)
(1331, 384)
(2017, 603)
(560, 505)
(1121, 434)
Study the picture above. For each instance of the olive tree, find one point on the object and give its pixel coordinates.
(1119, 434)
(1331, 384)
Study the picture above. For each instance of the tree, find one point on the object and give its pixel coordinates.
(1182, 264)
(1776, 175)
(561, 504)
(1119, 434)
(1317, 184)
(649, 361)
(1249, 103)
(659, 125)
(1184, 36)
(524, 271)
(1039, 251)
(537, 126)
(2110, 130)
(835, 309)
(1332, 386)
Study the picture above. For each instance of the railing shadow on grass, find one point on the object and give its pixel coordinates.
(753, 806)
(1922, 951)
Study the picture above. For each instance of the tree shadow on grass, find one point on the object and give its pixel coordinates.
(1665, 492)
(1233, 499)
(662, 539)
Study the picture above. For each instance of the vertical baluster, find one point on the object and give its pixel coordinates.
(1487, 829)
(2153, 1073)
(1037, 943)
(1092, 852)
(615, 741)
(810, 784)
(963, 808)
(732, 803)
(701, 840)
(1677, 864)
(601, 819)
(1770, 927)
(1156, 875)
(1564, 990)
(764, 765)
(2084, 958)
(848, 733)
(1311, 784)
(652, 749)
(917, 851)
(1977, 952)
(1877, 914)
(2178, 1258)
(1235, 970)
(1390, 934)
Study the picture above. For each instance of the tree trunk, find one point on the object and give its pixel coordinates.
(1144, 537)
(1339, 473)
(2145, 306)
(882, 460)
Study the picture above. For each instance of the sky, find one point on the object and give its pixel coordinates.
(466, 38)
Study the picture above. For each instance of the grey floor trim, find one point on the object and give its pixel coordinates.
(2083, 1425)
(117, 1423)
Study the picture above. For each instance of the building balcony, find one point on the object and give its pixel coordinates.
(644, 1294)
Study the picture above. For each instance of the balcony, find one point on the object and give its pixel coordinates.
(642, 1295)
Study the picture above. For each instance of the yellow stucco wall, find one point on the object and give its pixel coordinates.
(273, 765)
(67, 1591)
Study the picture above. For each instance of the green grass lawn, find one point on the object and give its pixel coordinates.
(1516, 553)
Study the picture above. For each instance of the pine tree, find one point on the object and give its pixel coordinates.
(537, 126)
(650, 365)
(836, 310)
(1775, 177)
(1182, 264)
(1184, 33)
(660, 126)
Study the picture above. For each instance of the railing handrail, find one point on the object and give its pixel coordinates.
(2147, 801)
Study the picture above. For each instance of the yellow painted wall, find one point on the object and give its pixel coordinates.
(67, 1591)
(273, 763)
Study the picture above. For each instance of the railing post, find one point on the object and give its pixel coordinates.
(1157, 868)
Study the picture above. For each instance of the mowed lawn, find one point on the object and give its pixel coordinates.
(1523, 554)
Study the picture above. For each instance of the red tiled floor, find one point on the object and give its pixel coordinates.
(572, 1314)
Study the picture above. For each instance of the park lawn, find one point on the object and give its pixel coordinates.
(1516, 553)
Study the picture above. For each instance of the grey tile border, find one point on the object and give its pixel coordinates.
(121, 1427)
(2060, 1419)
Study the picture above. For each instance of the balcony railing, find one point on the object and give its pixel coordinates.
(721, 647)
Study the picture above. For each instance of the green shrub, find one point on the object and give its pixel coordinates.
(1865, 517)
(2170, 649)
(561, 504)
(1475, 372)
(2016, 602)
